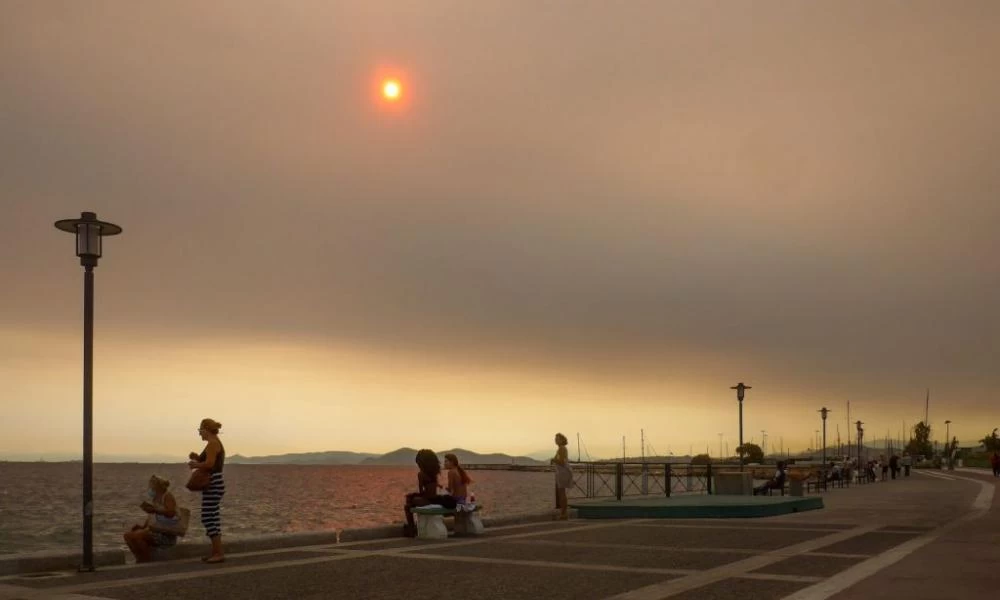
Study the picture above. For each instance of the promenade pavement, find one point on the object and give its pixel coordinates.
(932, 535)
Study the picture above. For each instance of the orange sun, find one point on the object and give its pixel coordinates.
(391, 90)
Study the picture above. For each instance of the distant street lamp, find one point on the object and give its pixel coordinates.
(823, 412)
(88, 231)
(740, 389)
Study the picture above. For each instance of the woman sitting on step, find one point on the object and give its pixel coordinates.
(154, 533)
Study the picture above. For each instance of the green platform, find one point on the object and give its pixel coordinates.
(696, 507)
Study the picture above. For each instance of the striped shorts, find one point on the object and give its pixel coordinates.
(211, 517)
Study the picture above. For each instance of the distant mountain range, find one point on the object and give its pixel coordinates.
(333, 457)
(403, 456)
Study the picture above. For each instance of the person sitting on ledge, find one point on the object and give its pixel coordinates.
(162, 509)
(458, 479)
(427, 489)
(775, 483)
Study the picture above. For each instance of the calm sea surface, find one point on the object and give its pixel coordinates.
(40, 503)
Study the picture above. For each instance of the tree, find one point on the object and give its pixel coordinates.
(991, 441)
(701, 459)
(751, 453)
(921, 442)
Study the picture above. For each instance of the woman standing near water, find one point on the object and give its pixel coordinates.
(564, 476)
(212, 458)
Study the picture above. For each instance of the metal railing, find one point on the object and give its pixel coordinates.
(621, 479)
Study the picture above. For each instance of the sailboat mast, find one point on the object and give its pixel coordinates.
(848, 430)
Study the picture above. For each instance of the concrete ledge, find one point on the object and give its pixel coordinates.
(522, 518)
(194, 546)
(198, 545)
(699, 507)
(734, 483)
(37, 562)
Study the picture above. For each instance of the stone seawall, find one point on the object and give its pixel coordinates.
(195, 545)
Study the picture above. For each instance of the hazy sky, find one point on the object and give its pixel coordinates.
(583, 216)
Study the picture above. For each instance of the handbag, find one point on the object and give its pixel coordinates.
(199, 480)
(178, 529)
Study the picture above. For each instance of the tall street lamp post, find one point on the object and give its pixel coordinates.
(947, 441)
(823, 412)
(88, 231)
(861, 435)
(740, 389)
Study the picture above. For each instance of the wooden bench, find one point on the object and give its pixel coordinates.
(815, 482)
(430, 521)
(781, 490)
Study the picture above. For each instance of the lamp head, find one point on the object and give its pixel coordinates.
(740, 388)
(89, 231)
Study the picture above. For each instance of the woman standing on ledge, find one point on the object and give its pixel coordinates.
(212, 458)
(564, 476)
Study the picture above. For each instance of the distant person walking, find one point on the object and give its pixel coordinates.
(995, 463)
(212, 459)
(564, 475)
(907, 463)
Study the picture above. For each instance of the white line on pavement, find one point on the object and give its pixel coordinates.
(237, 568)
(937, 475)
(657, 548)
(547, 563)
(984, 500)
(747, 527)
(859, 572)
(208, 571)
(780, 577)
(598, 567)
(12, 592)
(665, 589)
